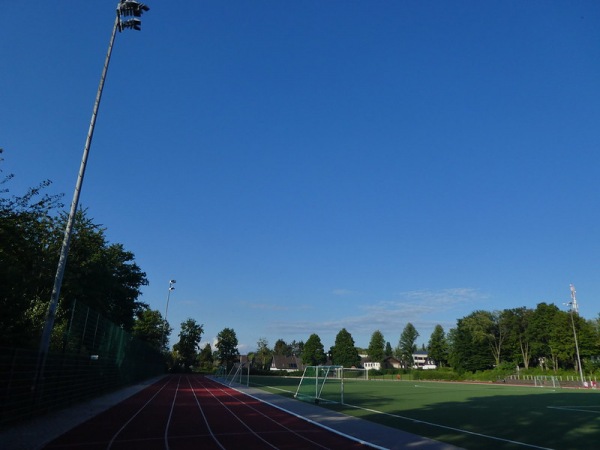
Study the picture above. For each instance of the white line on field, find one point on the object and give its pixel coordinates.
(575, 408)
(449, 428)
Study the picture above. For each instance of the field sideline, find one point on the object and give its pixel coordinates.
(469, 415)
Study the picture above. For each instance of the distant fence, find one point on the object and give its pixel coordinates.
(90, 357)
(552, 380)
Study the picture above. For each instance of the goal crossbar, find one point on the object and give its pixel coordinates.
(326, 383)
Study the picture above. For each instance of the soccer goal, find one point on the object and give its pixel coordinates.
(236, 375)
(352, 373)
(546, 381)
(326, 383)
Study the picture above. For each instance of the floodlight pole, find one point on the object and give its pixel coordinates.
(574, 309)
(125, 8)
(171, 288)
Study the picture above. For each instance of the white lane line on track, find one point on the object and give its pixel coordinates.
(166, 437)
(133, 417)
(325, 427)
(271, 419)
(203, 415)
(236, 416)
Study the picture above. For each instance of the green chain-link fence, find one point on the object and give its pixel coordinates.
(90, 357)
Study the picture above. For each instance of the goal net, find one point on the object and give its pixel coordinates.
(546, 381)
(326, 383)
(239, 373)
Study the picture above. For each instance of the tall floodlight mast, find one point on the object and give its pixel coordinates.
(575, 310)
(131, 11)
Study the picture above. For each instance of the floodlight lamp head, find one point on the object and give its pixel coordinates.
(128, 8)
(172, 281)
(132, 8)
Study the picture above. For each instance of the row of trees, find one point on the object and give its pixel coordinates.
(543, 337)
(187, 355)
(101, 275)
(105, 277)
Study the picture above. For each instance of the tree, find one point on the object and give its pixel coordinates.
(27, 264)
(149, 326)
(296, 348)
(388, 350)
(438, 346)
(205, 358)
(539, 333)
(189, 342)
(519, 338)
(376, 350)
(407, 345)
(344, 352)
(313, 353)
(281, 348)
(263, 354)
(227, 352)
(465, 352)
(101, 275)
(488, 328)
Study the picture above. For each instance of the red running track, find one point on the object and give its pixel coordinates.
(183, 412)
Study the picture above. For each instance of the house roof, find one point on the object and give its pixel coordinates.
(287, 362)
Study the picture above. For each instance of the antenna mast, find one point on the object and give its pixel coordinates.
(574, 306)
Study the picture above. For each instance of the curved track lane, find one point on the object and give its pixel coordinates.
(184, 412)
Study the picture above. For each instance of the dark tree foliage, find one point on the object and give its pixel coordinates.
(150, 327)
(101, 275)
(344, 351)
(205, 358)
(407, 345)
(388, 350)
(297, 348)
(281, 348)
(467, 353)
(313, 353)
(263, 355)
(376, 350)
(227, 351)
(438, 346)
(189, 343)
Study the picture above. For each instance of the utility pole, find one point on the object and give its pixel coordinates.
(575, 310)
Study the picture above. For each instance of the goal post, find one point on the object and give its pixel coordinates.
(320, 383)
(353, 373)
(546, 381)
(326, 383)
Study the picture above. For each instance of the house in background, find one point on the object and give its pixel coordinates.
(421, 360)
(287, 363)
(370, 365)
(392, 363)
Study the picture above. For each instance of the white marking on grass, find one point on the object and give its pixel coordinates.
(575, 408)
(449, 428)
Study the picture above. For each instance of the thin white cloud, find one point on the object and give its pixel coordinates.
(423, 308)
(265, 306)
(344, 292)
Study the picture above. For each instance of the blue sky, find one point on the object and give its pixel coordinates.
(300, 167)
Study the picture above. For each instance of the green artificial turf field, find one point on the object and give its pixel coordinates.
(471, 416)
